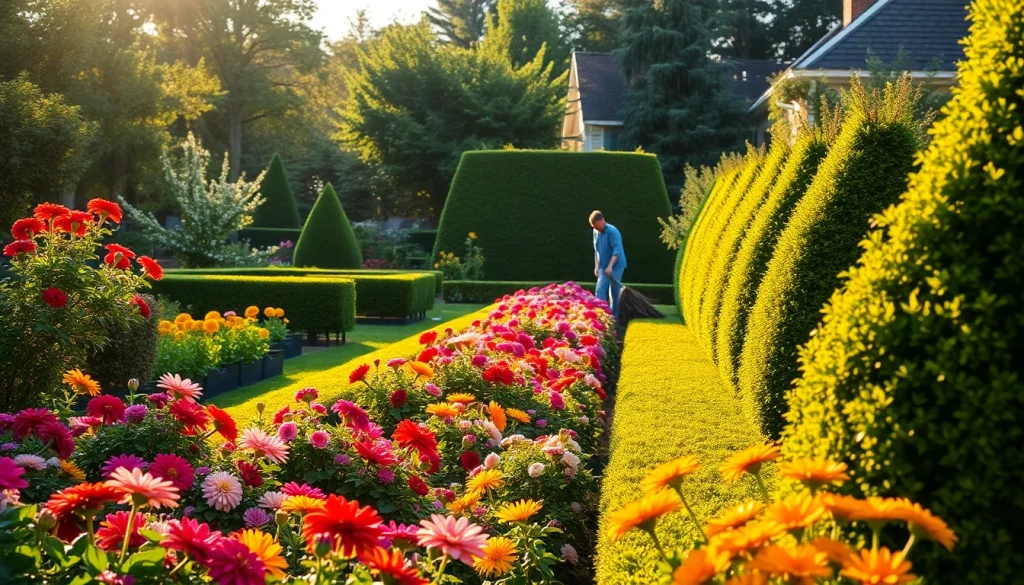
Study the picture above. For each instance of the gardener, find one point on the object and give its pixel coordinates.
(609, 260)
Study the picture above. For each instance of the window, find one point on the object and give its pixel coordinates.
(611, 138)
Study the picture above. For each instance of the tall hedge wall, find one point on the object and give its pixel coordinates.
(327, 239)
(708, 211)
(916, 378)
(757, 246)
(529, 210)
(865, 171)
(279, 209)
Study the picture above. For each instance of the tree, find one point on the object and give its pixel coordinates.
(798, 24)
(678, 105)
(460, 22)
(327, 239)
(42, 140)
(279, 210)
(522, 28)
(744, 30)
(593, 25)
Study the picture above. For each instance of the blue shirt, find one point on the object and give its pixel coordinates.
(607, 244)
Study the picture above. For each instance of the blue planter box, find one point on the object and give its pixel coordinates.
(273, 364)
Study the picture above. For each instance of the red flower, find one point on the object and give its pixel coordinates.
(109, 408)
(105, 209)
(190, 537)
(374, 452)
(469, 460)
(25, 228)
(142, 305)
(113, 529)
(432, 459)
(426, 355)
(359, 374)
(60, 438)
(76, 224)
(418, 486)
(250, 474)
(151, 267)
(19, 247)
(279, 415)
(50, 211)
(189, 414)
(417, 436)
(55, 297)
(174, 469)
(118, 256)
(588, 340)
(30, 420)
(87, 498)
(398, 398)
(223, 422)
(393, 564)
(428, 337)
(355, 530)
(499, 372)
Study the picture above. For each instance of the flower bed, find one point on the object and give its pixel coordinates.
(482, 436)
(485, 291)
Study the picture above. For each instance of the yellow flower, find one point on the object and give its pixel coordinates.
(466, 502)
(518, 415)
(642, 513)
(268, 312)
(878, 567)
(442, 410)
(472, 235)
(212, 315)
(211, 326)
(264, 333)
(252, 311)
(814, 472)
(301, 504)
(520, 511)
(499, 554)
(286, 321)
(669, 474)
(923, 523)
(182, 318)
(485, 481)
(422, 369)
(166, 327)
(748, 537)
(81, 383)
(262, 545)
(71, 470)
(279, 312)
(700, 566)
(800, 564)
(796, 512)
(462, 397)
(837, 551)
(749, 461)
(734, 518)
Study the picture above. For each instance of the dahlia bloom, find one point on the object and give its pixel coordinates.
(294, 489)
(112, 530)
(174, 469)
(109, 408)
(177, 387)
(354, 417)
(136, 413)
(273, 500)
(137, 486)
(251, 475)
(191, 538)
(30, 420)
(58, 437)
(256, 517)
(129, 462)
(319, 439)
(26, 228)
(105, 209)
(457, 538)
(231, 562)
(287, 431)
(306, 395)
(264, 445)
(223, 422)
(222, 491)
(354, 529)
(151, 267)
(34, 462)
(10, 475)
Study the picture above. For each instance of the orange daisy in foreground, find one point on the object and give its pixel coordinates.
(796, 512)
(837, 551)
(874, 509)
(466, 502)
(814, 472)
(81, 383)
(518, 415)
(749, 461)
(669, 474)
(498, 417)
(842, 507)
(924, 524)
(442, 410)
(878, 567)
(642, 513)
(734, 518)
(141, 488)
(263, 546)
(747, 538)
(422, 369)
(700, 566)
(800, 564)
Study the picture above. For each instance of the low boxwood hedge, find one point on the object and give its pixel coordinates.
(486, 291)
(670, 402)
(529, 210)
(263, 237)
(315, 304)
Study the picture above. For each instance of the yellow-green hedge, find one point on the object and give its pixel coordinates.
(691, 254)
(916, 377)
(669, 403)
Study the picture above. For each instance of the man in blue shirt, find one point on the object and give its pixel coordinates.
(609, 260)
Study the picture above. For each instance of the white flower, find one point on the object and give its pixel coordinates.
(592, 381)
(571, 461)
(53, 462)
(492, 430)
(566, 355)
(584, 420)
(492, 460)
(272, 500)
(222, 491)
(535, 469)
(31, 462)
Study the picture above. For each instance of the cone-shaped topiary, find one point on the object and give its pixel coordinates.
(327, 239)
(915, 378)
(865, 171)
(279, 210)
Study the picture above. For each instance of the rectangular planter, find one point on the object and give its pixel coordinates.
(273, 364)
(220, 381)
(278, 345)
(250, 373)
(293, 345)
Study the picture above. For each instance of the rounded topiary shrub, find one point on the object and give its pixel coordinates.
(279, 209)
(691, 248)
(864, 172)
(529, 210)
(915, 378)
(327, 239)
(129, 353)
(757, 246)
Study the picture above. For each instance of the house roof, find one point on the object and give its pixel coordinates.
(750, 77)
(602, 86)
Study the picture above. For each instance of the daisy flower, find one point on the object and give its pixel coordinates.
(222, 491)
(700, 566)
(499, 554)
(33, 462)
(415, 435)
(749, 461)
(264, 445)
(301, 504)
(520, 511)
(223, 422)
(669, 474)
(518, 415)
(354, 529)
(642, 513)
(814, 472)
(796, 512)
(734, 517)
(924, 524)
(457, 538)
(272, 500)
(391, 567)
(873, 567)
(84, 498)
(81, 383)
(126, 461)
(485, 481)
(801, 563)
(174, 469)
(178, 387)
(141, 488)
(263, 546)
(191, 416)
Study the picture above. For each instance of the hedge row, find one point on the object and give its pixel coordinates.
(396, 294)
(486, 291)
(315, 304)
(708, 209)
(529, 210)
(263, 237)
(915, 379)
(669, 402)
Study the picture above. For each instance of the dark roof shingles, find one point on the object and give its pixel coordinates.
(602, 86)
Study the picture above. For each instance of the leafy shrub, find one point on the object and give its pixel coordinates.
(386, 246)
(516, 200)
(469, 267)
(278, 209)
(327, 240)
(864, 172)
(131, 352)
(262, 237)
(914, 378)
(697, 185)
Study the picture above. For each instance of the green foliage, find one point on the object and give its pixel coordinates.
(130, 353)
(522, 29)
(516, 201)
(914, 378)
(468, 267)
(327, 240)
(311, 303)
(486, 291)
(697, 186)
(865, 171)
(593, 25)
(460, 22)
(265, 237)
(278, 209)
(670, 402)
(189, 356)
(387, 247)
(756, 248)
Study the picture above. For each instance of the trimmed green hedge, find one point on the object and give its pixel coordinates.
(756, 249)
(708, 210)
(279, 209)
(423, 238)
(916, 378)
(263, 237)
(486, 291)
(670, 402)
(310, 303)
(327, 239)
(396, 294)
(864, 172)
(130, 353)
(529, 210)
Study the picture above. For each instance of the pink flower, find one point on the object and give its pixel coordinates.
(273, 500)
(109, 408)
(112, 531)
(287, 431)
(432, 389)
(306, 395)
(222, 491)
(30, 420)
(557, 402)
(264, 445)
(10, 475)
(399, 535)
(318, 408)
(129, 462)
(350, 412)
(385, 475)
(174, 469)
(457, 538)
(136, 413)
(190, 537)
(319, 439)
(255, 517)
(293, 489)
(180, 388)
(232, 563)
(144, 488)
(58, 437)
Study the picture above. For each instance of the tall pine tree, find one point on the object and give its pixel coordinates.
(679, 105)
(460, 22)
(522, 27)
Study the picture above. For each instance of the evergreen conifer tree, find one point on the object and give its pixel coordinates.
(279, 209)
(460, 22)
(327, 239)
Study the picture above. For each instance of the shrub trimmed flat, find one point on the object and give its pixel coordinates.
(670, 402)
(327, 239)
(529, 210)
(486, 291)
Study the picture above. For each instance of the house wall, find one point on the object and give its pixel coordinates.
(601, 137)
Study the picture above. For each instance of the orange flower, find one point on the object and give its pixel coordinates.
(796, 512)
(801, 564)
(734, 518)
(518, 415)
(497, 416)
(263, 546)
(422, 369)
(753, 578)
(878, 567)
(466, 502)
(924, 524)
(700, 566)
(837, 551)
(520, 511)
(642, 513)
(872, 509)
(749, 461)
(814, 472)
(669, 474)
(485, 481)
(747, 538)
(81, 383)
(842, 507)
(251, 312)
(442, 410)
(463, 397)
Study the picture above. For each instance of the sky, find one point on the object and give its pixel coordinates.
(333, 15)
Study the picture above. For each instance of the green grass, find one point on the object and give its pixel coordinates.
(327, 370)
(670, 402)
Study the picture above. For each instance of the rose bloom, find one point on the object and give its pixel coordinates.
(319, 439)
(287, 431)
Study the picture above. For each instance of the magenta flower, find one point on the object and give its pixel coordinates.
(306, 395)
(129, 462)
(136, 413)
(174, 469)
(10, 475)
(256, 517)
(319, 439)
(287, 431)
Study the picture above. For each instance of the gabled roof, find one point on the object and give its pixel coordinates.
(602, 86)
(750, 77)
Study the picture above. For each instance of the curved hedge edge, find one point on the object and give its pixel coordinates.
(675, 283)
(669, 403)
(487, 291)
(677, 276)
(756, 250)
(708, 211)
